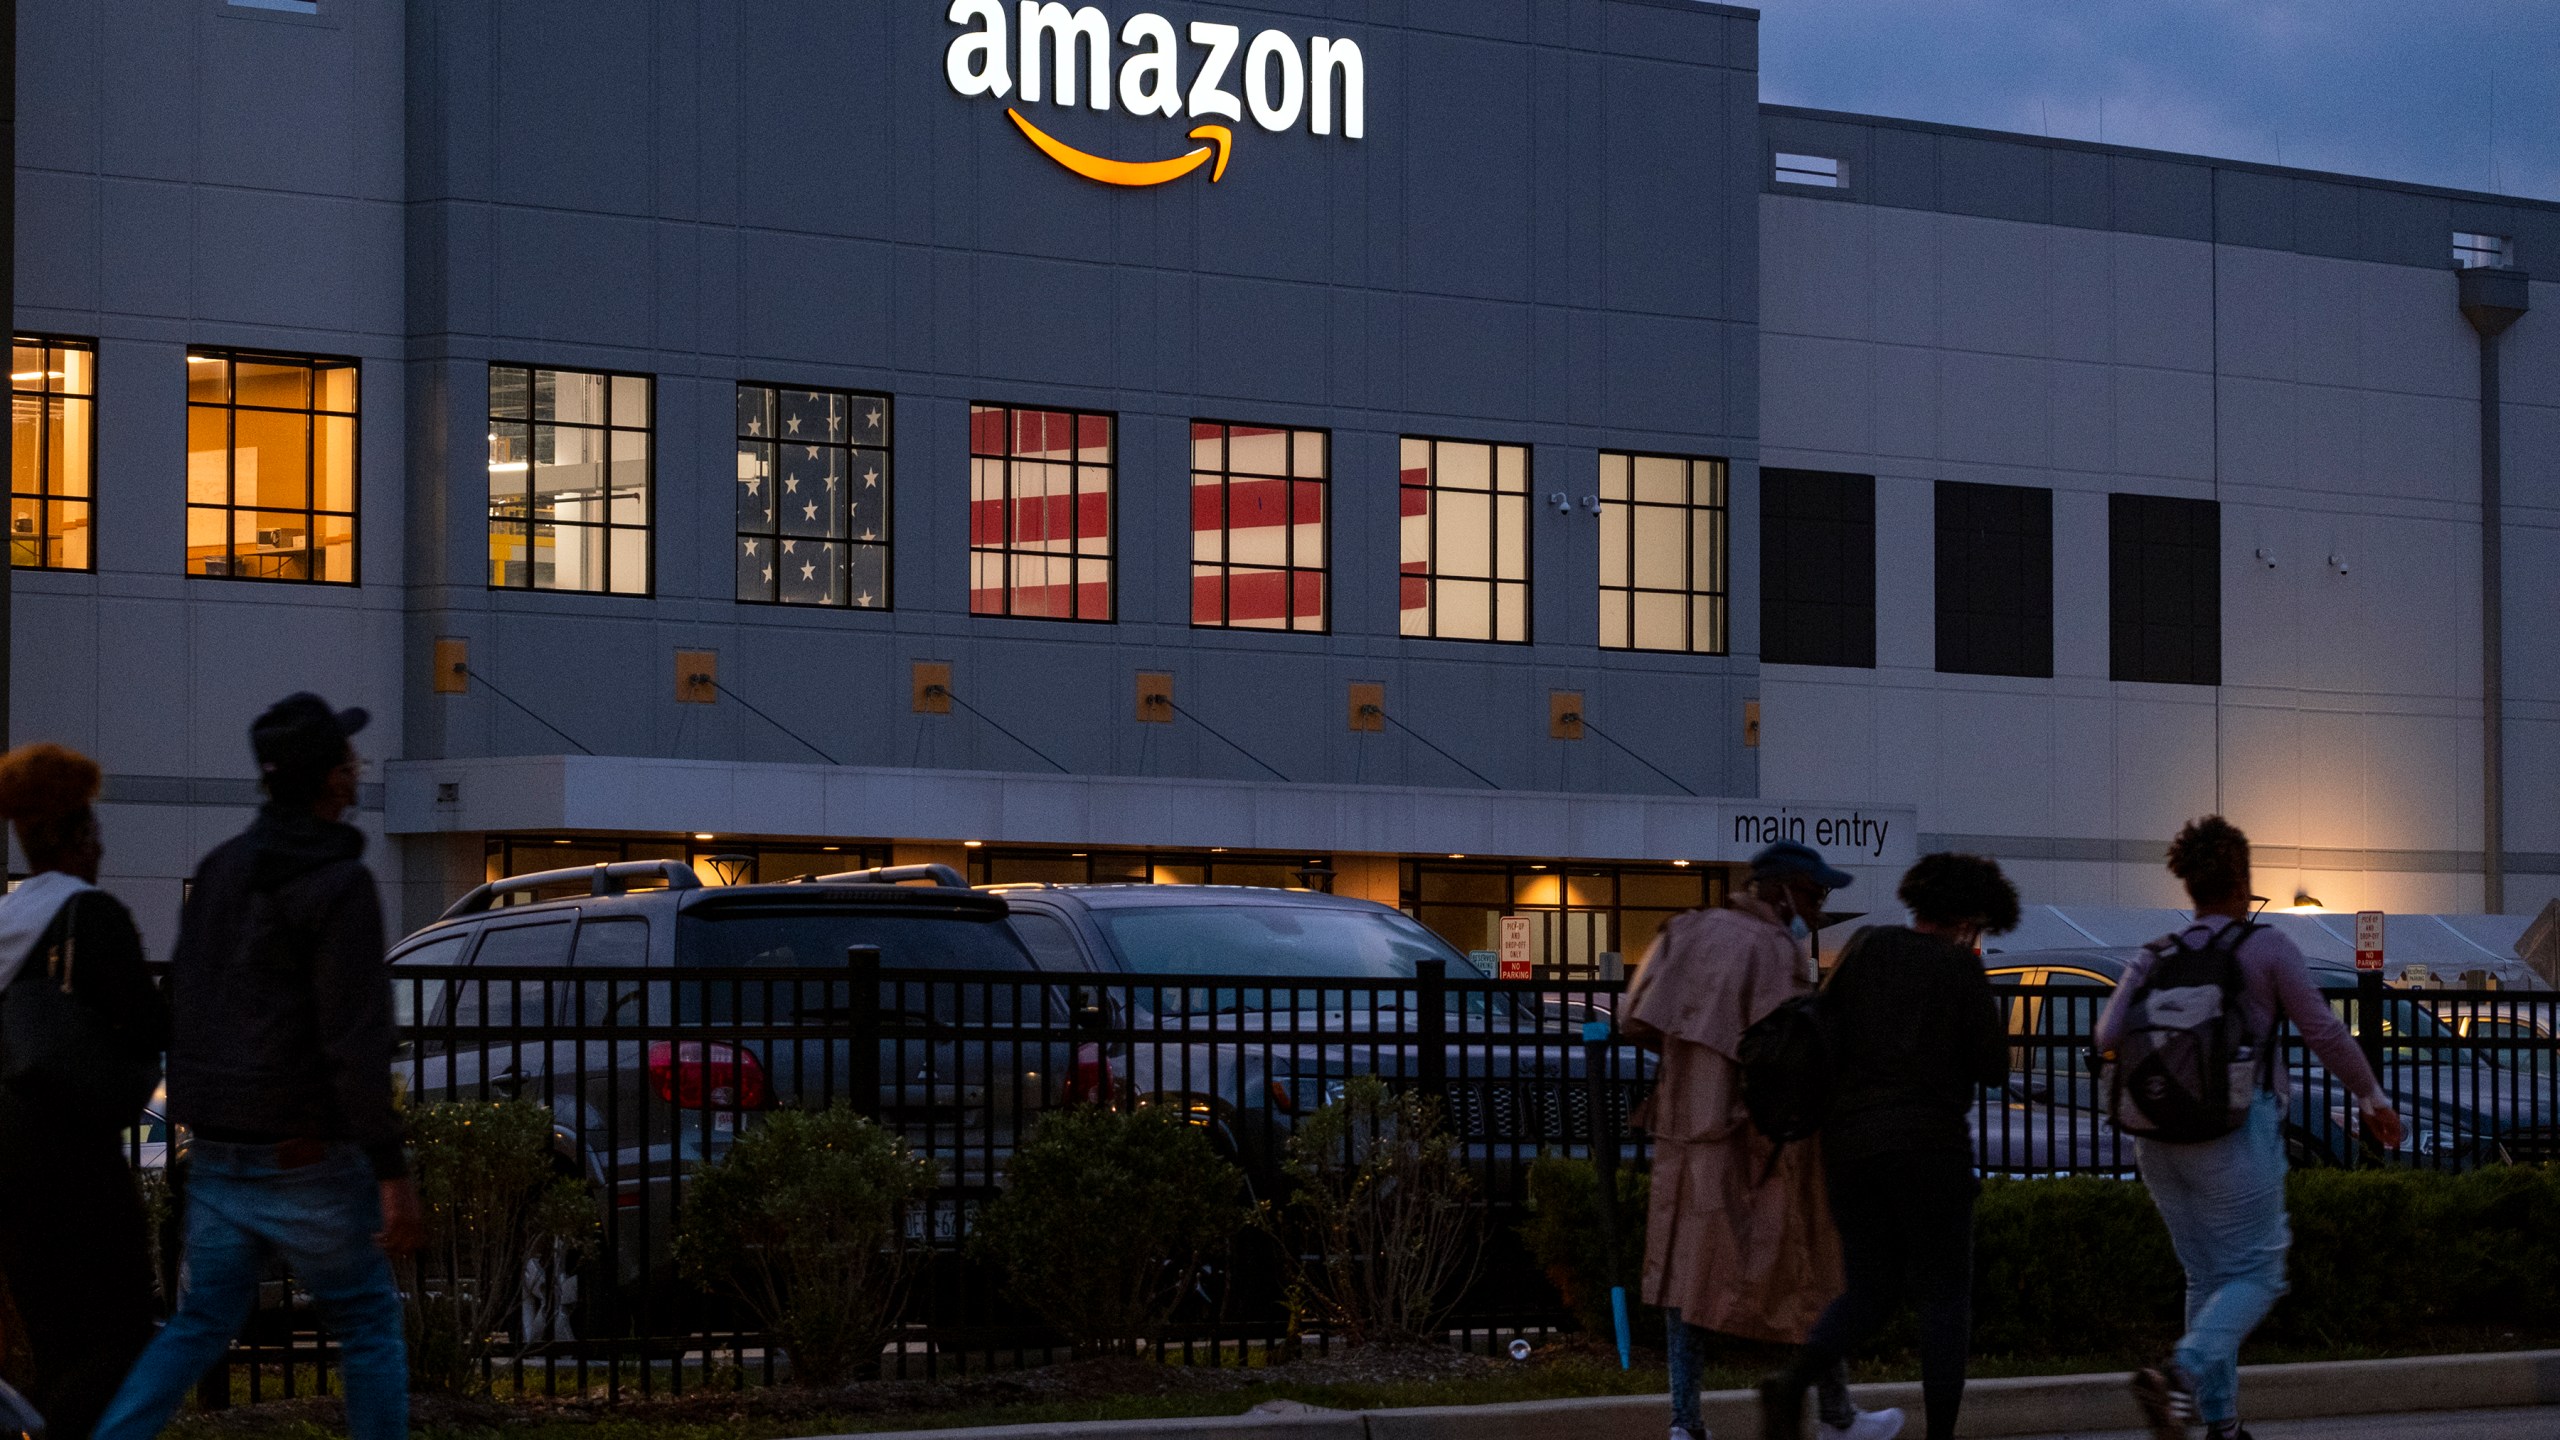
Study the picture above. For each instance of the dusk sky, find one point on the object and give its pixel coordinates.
(2388, 88)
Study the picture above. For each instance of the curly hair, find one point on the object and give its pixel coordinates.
(46, 790)
(2212, 856)
(1950, 890)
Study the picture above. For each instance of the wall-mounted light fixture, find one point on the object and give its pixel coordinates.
(2304, 903)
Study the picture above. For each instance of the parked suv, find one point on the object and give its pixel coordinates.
(569, 1001)
(1250, 1060)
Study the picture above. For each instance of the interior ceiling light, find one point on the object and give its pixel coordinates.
(704, 835)
(973, 844)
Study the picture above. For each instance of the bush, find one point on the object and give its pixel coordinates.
(1106, 1220)
(1565, 1237)
(495, 1204)
(2081, 1267)
(803, 1222)
(1380, 1215)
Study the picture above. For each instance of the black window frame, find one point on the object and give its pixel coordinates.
(1717, 589)
(1432, 577)
(1223, 569)
(1995, 579)
(648, 526)
(1817, 568)
(2164, 589)
(1076, 555)
(233, 357)
(46, 495)
(772, 533)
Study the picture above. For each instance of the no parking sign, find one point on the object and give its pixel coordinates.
(2368, 940)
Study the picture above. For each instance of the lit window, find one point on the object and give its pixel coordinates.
(813, 497)
(53, 448)
(569, 480)
(1040, 513)
(2476, 252)
(1819, 170)
(1466, 540)
(1662, 554)
(271, 467)
(1258, 526)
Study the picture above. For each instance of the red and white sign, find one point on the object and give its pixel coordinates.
(1514, 963)
(2369, 940)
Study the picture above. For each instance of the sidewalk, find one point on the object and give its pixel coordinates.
(2083, 1405)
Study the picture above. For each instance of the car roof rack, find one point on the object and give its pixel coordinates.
(600, 880)
(941, 875)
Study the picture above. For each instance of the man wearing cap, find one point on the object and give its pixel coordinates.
(1733, 1242)
(280, 1066)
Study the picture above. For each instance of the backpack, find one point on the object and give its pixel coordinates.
(58, 1054)
(2187, 1066)
(1787, 1070)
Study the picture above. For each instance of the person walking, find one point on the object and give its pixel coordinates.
(2223, 1198)
(280, 1063)
(81, 1030)
(1738, 1240)
(1914, 1030)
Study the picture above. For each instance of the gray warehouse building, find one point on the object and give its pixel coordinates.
(1468, 453)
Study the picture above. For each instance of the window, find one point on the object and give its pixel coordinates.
(53, 449)
(1258, 526)
(1995, 580)
(813, 497)
(1466, 540)
(271, 467)
(1819, 170)
(1662, 554)
(569, 481)
(1040, 514)
(2165, 589)
(1817, 568)
(2475, 252)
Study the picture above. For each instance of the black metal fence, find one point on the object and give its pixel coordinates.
(648, 1073)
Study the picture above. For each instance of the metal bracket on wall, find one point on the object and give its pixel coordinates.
(1564, 715)
(1369, 708)
(931, 693)
(1155, 698)
(452, 674)
(697, 677)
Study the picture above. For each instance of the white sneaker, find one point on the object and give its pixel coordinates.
(1869, 1425)
(1677, 1433)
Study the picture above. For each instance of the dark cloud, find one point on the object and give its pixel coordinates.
(2389, 88)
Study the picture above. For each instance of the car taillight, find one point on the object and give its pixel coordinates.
(706, 1075)
(1091, 1081)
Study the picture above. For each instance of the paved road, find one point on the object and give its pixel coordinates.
(2540, 1423)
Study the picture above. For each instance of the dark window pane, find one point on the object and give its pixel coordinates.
(1995, 579)
(1817, 568)
(2165, 589)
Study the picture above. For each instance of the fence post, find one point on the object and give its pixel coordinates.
(862, 1070)
(2369, 1029)
(1431, 1028)
(1604, 1167)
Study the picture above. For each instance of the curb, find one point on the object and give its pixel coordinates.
(2035, 1405)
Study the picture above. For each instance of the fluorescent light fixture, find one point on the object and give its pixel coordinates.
(509, 467)
(705, 835)
(973, 844)
(1679, 864)
(36, 375)
(204, 359)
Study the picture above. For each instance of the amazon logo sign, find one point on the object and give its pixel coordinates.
(1040, 51)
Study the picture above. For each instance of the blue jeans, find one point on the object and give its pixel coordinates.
(242, 1208)
(2224, 1204)
(1688, 1355)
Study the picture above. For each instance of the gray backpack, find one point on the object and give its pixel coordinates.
(2187, 1065)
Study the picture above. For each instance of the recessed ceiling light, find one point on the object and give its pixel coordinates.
(704, 835)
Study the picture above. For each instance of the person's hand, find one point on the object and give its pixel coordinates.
(2385, 1124)
(404, 1228)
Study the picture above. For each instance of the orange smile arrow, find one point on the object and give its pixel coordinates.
(1125, 172)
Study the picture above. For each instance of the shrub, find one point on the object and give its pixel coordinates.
(2082, 1267)
(494, 1203)
(1106, 1220)
(1380, 1215)
(803, 1223)
(1564, 1235)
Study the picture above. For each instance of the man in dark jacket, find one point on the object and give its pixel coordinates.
(280, 1064)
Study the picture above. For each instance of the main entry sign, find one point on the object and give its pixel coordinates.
(1041, 51)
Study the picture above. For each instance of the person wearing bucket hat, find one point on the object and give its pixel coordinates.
(280, 1064)
(1740, 1239)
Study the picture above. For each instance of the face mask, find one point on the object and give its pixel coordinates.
(1797, 927)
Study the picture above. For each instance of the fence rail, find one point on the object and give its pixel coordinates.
(649, 1072)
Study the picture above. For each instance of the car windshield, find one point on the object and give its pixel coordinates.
(1273, 942)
